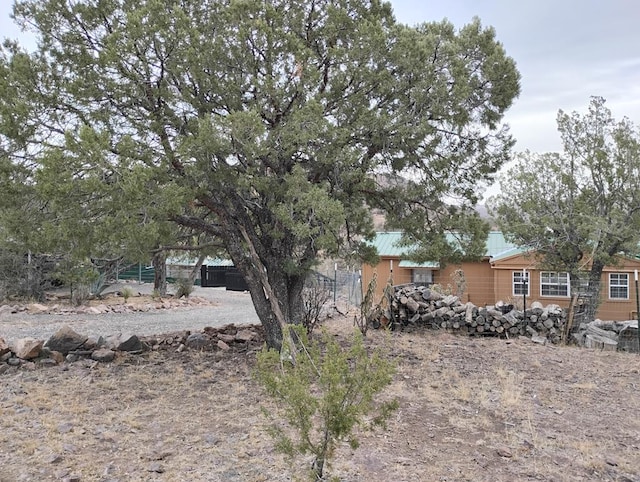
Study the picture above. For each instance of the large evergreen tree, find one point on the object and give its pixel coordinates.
(578, 209)
(264, 122)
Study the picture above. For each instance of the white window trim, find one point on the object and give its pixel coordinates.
(559, 274)
(513, 282)
(618, 285)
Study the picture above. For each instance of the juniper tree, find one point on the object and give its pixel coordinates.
(580, 208)
(266, 124)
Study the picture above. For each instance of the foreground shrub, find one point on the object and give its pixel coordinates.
(324, 395)
(314, 298)
(184, 287)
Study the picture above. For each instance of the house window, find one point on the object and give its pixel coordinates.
(423, 276)
(582, 283)
(520, 283)
(554, 284)
(618, 286)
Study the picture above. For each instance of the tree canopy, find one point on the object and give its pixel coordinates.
(578, 209)
(266, 124)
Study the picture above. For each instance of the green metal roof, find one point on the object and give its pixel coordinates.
(496, 244)
(405, 263)
(190, 261)
(388, 245)
(507, 253)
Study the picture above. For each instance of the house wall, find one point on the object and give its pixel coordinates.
(487, 283)
(383, 270)
(478, 278)
(609, 309)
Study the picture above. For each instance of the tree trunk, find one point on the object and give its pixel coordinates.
(593, 290)
(287, 293)
(160, 273)
(276, 294)
(196, 270)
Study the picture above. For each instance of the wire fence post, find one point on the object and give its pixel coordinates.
(637, 309)
(335, 282)
(525, 286)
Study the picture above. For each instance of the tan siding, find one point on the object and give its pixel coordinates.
(608, 310)
(479, 281)
(383, 270)
(488, 283)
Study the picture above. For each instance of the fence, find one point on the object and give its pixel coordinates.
(345, 286)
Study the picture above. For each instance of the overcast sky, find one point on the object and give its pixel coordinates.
(566, 51)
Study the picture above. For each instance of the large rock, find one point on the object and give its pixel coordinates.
(65, 340)
(4, 347)
(93, 343)
(27, 348)
(37, 308)
(196, 341)
(245, 335)
(226, 337)
(124, 342)
(104, 355)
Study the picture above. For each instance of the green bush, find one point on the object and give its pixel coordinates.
(23, 276)
(126, 292)
(324, 395)
(184, 287)
(78, 275)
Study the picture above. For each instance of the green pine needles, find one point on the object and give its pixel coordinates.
(324, 396)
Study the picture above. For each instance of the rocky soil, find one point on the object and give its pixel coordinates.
(471, 409)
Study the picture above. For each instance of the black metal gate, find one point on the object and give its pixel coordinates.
(222, 276)
(235, 281)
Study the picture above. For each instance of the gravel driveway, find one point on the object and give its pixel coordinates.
(230, 307)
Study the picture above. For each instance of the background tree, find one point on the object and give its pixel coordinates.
(20, 208)
(578, 209)
(74, 203)
(263, 123)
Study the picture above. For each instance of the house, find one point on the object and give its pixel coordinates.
(499, 275)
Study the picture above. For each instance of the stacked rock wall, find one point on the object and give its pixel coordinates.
(421, 306)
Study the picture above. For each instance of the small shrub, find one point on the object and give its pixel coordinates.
(184, 287)
(367, 311)
(80, 293)
(324, 395)
(79, 276)
(314, 298)
(460, 282)
(126, 293)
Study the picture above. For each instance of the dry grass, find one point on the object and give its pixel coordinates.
(470, 410)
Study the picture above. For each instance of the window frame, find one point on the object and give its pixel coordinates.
(564, 275)
(520, 282)
(422, 272)
(618, 286)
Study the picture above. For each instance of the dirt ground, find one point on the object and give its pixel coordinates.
(471, 409)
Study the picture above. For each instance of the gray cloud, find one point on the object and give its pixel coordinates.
(566, 51)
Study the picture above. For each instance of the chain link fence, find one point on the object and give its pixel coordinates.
(345, 287)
